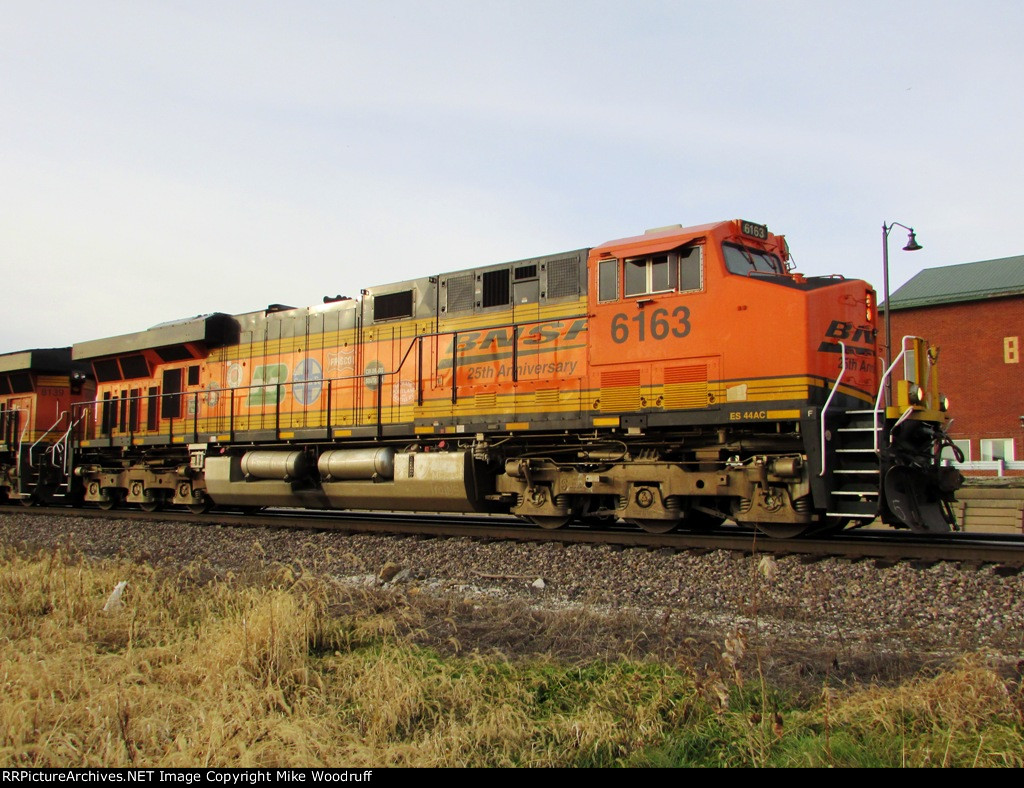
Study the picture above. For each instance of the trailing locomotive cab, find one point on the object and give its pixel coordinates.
(38, 389)
(674, 379)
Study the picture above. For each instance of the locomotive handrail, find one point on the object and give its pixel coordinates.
(65, 440)
(21, 437)
(824, 410)
(40, 439)
(172, 428)
(881, 387)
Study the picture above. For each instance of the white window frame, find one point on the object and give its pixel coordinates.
(671, 263)
(988, 444)
(963, 445)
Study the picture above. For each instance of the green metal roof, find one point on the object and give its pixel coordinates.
(964, 282)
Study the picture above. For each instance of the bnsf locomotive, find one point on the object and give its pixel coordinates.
(673, 380)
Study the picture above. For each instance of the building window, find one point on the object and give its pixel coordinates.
(997, 449)
(964, 446)
(1011, 350)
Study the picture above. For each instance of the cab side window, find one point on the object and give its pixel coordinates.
(691, 270)
(608, 280)
(678, 271)
(657, 273)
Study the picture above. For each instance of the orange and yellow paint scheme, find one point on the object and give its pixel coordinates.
(687, 374)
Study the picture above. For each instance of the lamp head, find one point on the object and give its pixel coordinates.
(912, 244)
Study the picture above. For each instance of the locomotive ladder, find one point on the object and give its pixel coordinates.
(61, 458)
(857, 468)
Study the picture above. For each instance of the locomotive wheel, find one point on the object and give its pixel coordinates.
(551, 523)
(112, 502)
(655, 526)
(151, 506)
(200, 508)
(28, 500)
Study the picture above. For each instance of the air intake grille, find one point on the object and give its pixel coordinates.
(460, 293)
(563, 278)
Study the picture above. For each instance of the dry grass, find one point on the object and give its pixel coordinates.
(288, 670)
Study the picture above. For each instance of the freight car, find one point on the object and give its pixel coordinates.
(673, 379)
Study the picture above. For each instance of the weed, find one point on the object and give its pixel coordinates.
(282, 669)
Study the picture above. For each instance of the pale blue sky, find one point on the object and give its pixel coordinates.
(161, 160)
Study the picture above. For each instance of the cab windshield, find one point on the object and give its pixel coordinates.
(741, 260)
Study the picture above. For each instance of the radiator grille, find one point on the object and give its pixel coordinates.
(686, 387)
(546, 397)
(620, 390)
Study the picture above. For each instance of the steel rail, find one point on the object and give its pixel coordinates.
(1006, 550)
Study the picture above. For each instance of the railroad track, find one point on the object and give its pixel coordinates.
(1005, 551)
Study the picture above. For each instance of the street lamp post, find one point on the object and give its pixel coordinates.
(912, 246)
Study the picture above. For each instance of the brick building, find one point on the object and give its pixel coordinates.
(974, 312)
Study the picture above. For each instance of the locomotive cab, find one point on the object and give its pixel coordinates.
(38, 389)
(706, 346)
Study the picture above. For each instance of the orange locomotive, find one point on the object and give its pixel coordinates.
(673, 379)
(37, 391)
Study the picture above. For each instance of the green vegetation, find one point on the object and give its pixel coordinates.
(193, 671)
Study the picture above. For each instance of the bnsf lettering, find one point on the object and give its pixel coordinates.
(841, 330)
(503, 337)
(497, 338)
(655, 324)
(539, 335)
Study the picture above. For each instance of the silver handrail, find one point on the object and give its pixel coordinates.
(21, 440)
(881, 386)
(60, 418)
(824, 410)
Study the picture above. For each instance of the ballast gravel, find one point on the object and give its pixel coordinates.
(857, 617)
